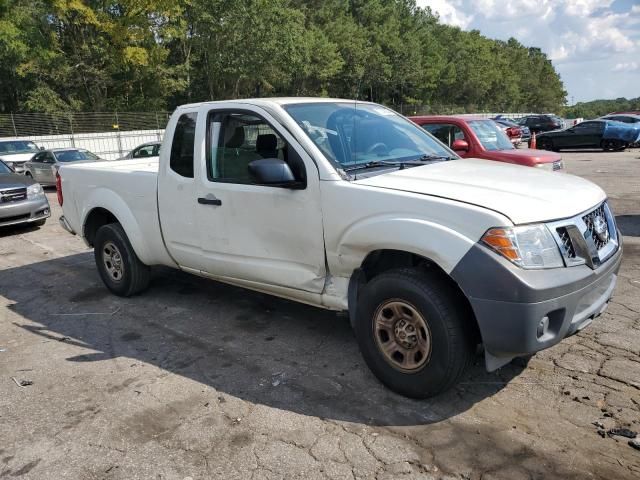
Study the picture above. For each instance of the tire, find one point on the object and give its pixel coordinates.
(28, 174)
(120, 268)
(612, 145)
(621, 147)
(420, 297)
(546, 144)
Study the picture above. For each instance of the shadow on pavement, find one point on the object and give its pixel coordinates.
(250, 345)
(629, 225)
(18, 229)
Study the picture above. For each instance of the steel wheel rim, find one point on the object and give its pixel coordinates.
(402, 335)
(112, 260)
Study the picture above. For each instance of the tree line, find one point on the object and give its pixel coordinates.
(598, 108)
(146, 55)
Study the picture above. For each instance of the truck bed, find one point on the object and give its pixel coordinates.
(128, 189)
(136, 165)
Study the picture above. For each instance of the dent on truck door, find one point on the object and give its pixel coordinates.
(265, 234)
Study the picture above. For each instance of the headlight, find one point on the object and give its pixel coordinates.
(528, 246)
(34, 191)
(546, 166)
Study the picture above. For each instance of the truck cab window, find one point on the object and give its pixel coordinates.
(182, 146)
(237, 139)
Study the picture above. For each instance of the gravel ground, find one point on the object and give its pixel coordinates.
(195, 379)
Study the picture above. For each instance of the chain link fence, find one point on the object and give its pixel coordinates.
(109, 135)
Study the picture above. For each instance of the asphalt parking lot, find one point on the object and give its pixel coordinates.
(195, 379)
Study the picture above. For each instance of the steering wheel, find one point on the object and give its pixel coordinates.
(379, 148)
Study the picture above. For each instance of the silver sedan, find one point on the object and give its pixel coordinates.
(43, 165)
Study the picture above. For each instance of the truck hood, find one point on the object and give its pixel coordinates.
(17, 157)
(523, 194)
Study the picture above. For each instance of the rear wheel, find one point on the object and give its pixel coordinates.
(120, 268)
(413, 332)
(28, 174)
(546, 144)
(613, 145)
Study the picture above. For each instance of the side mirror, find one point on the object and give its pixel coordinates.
(460, 146)
(273, 172)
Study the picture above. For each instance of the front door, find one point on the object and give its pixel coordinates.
(262, 234)
(47, 173)
(36, 165)
(588, 134)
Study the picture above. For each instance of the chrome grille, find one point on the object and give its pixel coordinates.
(566, 242)
(589, 238)
(597, 226)
(13, 195)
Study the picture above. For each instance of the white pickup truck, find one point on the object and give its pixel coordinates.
(349, 206)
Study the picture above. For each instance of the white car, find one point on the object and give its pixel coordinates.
(349, 206)
(16, 152)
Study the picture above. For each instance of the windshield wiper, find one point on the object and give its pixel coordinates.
(380, 163)
(387, 163)
(428, 157)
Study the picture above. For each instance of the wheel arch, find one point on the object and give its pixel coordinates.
(104, 207)
(383, 260)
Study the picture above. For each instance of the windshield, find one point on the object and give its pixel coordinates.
(74, 155)
(352, 134)
(17, 146)
(4, 169)
(491, 135)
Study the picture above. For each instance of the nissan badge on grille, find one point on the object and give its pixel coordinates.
(600, 227)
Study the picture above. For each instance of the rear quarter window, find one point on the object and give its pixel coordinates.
(183, 145)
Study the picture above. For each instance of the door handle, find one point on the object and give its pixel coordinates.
(209, 201)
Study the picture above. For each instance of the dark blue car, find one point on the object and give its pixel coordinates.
(605, 134)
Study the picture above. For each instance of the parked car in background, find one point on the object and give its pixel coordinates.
(517, 133)
(624, 118)
(542, 123)
(348, 206)
(605, 134)
(44, 165)
(475, 137)
(146, 150)
(22, 201)
(14, 153)
(630, 112)
(631, 118)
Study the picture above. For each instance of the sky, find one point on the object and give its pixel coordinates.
(594, 44)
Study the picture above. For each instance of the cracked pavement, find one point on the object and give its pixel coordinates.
(195, 379)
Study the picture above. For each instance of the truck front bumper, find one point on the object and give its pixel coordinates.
(520, 312)
(25, 211)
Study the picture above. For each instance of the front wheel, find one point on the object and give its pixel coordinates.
(28, 174)
(413, 332)
(120, 268)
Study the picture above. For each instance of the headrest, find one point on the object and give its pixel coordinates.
(266, 142)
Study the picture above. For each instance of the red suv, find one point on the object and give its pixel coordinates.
(475, 137)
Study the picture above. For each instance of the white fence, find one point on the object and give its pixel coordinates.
(110, 145)
(109, 135)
